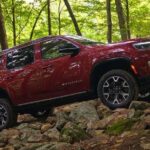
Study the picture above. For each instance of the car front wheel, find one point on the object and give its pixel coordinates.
(117, 88)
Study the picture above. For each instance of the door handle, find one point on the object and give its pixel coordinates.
(9, 77)
(48, 66)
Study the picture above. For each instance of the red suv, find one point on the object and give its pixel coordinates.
(54, 68)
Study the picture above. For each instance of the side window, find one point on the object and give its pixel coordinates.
(20, 57)
(51, 49)
(142, 45)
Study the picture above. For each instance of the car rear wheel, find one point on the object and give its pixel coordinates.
(7, 116)
(117, 88)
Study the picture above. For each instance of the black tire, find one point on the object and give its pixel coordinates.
(8, 117)
(41, 114)
(144, 96)
(117, 88)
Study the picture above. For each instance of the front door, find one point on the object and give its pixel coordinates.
(62, 74)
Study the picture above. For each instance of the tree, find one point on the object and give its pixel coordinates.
(36, 20)
(109, 21)
(128, 19)
(14, 22)
(121, 19)
(72, 17)
(49, 17)
(3, 36)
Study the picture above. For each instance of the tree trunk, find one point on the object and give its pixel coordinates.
(14, 22)
(72, 17)
(36, 20)
(3, 36)
(128, 19)
(121, 19)
(49, 17)
(59, 18)
(109, 21)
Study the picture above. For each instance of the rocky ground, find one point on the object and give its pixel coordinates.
(82, 126)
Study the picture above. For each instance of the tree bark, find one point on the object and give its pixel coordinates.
(128, 19)
(3, 36)
(109, 21)
(59, 18)
(72, 17)
(14, 22)
(49, 17)
(121, 19)
(36, 20)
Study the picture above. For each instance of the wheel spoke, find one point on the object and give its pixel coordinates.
(106, 95)
(3, 121)
(116, 101)
(125, 84)
(115, 78)
(125, 95)
(106, 84)
(3, 116)
(116, 90)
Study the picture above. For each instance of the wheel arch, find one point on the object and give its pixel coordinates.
(102, 67)
(4, 94)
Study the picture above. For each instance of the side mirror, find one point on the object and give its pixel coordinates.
(72, 51)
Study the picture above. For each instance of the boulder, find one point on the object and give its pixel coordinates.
(53, 134)
(86, 111)
(73, 133)
(62, 119)
(139, 105)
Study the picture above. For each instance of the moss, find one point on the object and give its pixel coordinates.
(73, 134)
(120, 126)
(138, 113)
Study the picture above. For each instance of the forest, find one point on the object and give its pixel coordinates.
(102, 20)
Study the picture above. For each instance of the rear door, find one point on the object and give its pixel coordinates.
(20, 64)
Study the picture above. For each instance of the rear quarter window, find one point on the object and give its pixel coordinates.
(142, 45)
(20, 57)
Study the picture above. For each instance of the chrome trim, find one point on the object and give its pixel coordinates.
(44, 100)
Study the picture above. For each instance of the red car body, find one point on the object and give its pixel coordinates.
(70, 75)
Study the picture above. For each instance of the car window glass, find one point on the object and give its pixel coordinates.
(20, 57)
(142, 45)
(51, 49)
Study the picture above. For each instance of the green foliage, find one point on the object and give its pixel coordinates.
(120, 126)
(90, 15)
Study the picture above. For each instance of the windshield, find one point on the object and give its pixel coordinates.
(84, 41)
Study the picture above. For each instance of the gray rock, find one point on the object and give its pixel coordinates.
(55, 146)
(53, 134)
(145, 146)
(62, 119)
(73, 133)
(139, 105)
(86, 111)
(32, 146)
(27, 133)
(36, 138)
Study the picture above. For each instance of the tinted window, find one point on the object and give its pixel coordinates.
(51, 49)
(20, 57)
(142, 45)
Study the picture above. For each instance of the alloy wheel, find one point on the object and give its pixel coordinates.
(3, 116)
(116, 90)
